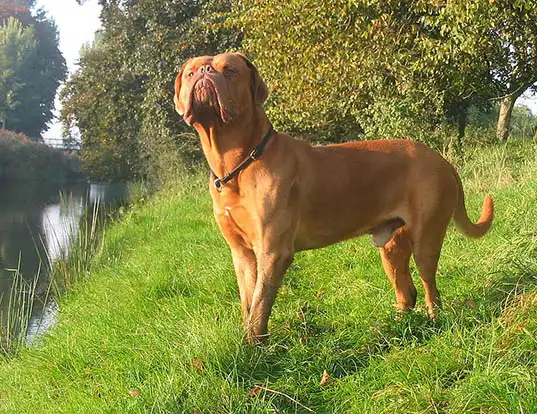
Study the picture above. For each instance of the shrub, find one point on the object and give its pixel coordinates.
(24, 159)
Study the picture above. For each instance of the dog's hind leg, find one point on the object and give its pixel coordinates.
(426, 249)
(395, 256)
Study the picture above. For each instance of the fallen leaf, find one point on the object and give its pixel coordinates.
(254, 391)
(135, 392)
(319, 293)
(197, 364)
(326, 379)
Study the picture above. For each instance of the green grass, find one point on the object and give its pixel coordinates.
(156, 328)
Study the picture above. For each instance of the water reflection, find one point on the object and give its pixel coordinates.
(37, 224)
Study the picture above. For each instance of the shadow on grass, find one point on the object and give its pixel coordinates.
(310, 342)
(519, 278)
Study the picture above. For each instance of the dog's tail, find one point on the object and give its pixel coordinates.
(460, 217)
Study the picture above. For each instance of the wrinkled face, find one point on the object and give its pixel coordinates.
(219, 88)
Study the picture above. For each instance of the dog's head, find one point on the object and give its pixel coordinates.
(219, 88)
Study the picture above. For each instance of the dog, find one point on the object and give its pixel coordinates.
(274, 195)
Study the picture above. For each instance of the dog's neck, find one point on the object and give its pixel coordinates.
(226, 145)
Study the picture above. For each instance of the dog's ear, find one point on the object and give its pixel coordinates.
(260, 90)
(179, 107)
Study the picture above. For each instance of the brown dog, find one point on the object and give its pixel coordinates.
(291, 196)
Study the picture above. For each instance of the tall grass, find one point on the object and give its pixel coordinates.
(84, 242)
(14, 322)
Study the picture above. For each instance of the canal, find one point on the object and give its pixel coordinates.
(37, 224)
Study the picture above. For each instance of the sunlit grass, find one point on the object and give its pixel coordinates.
(155, 325)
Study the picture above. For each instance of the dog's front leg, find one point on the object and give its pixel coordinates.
(245, 265)
(272, 263)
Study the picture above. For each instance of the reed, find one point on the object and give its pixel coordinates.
(14, 320)
(85, 240)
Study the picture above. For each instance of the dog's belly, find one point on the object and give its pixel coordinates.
(342, 213)
(350, 192)
(307, 240)
(316, 231)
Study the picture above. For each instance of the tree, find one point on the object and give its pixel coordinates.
(513, 39)
(364, 67)
(501, 36)
(17, 53)
(39, 76)
(18, 9)
(146, 42)
(105, 109)
(383, 67)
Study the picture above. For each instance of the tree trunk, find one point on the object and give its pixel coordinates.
(504, 118)
(462, 122)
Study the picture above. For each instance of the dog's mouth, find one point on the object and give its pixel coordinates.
(205, 102)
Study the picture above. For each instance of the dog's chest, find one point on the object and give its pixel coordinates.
(234, 220)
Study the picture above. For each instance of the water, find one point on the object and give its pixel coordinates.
(37, 223)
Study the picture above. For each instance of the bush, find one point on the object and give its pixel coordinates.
(23, 159)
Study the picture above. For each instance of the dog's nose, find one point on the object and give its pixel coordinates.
(206, 69)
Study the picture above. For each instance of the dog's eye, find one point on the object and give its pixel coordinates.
(229, 71)
(190, 74)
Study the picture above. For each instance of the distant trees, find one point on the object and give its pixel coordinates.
(337, 70)
(121, 99)
(105, 99)
(17, 51)
(23, 160)
(31, 68)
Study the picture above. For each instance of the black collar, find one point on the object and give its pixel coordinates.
(254, 155)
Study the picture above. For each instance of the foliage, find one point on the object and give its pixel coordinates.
(352, 67)
(29, 78)
(108, 114)
(17, 50)
(513, 45)
(22, 159)
(523, 123)
(121, 98)
(501, 36)
(481, 124)
(386, 68)
(340, 70)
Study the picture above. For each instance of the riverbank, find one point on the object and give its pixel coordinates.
(44, 224)
(157, 325)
